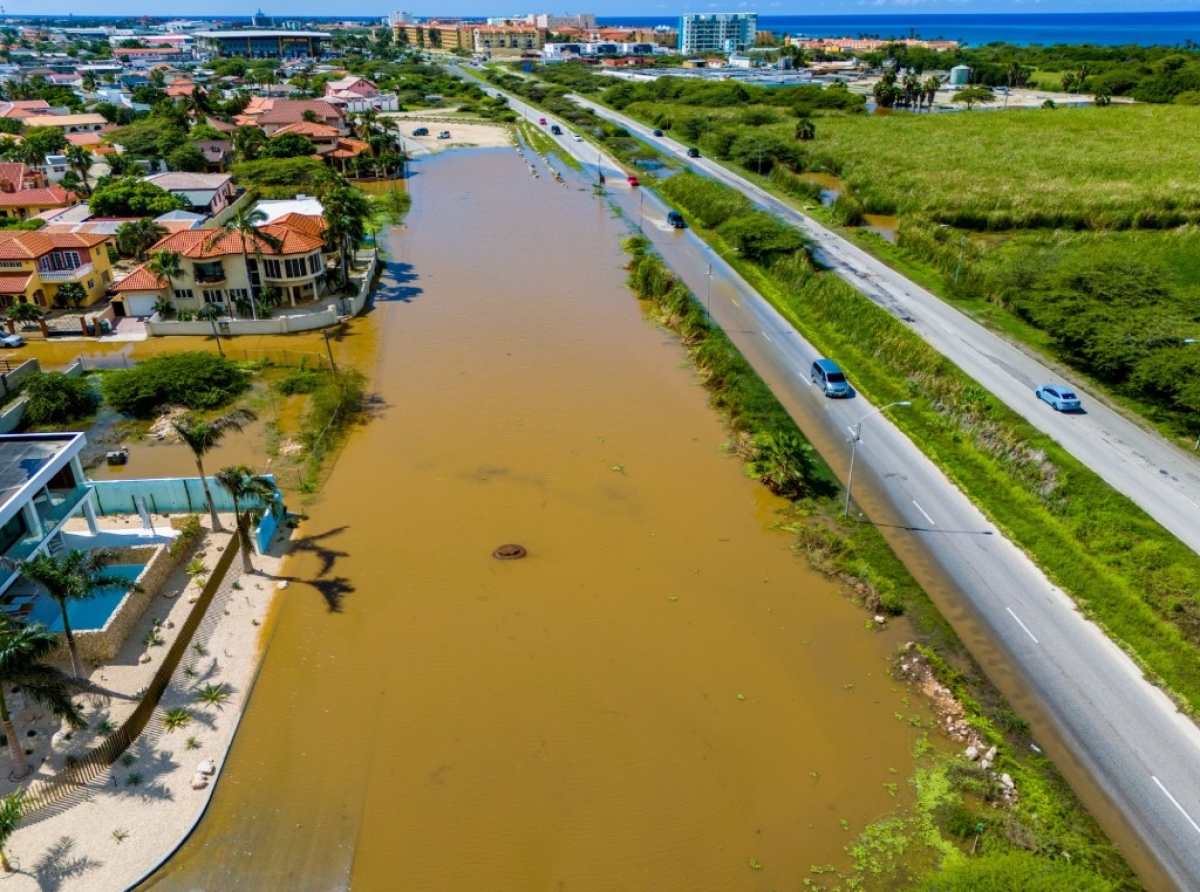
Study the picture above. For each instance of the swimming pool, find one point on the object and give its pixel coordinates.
(90, 614)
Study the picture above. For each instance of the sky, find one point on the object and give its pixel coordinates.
(424, 8)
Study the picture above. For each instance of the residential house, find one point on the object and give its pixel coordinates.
(16, 175)
(206, 193)
(23, 203)
(353, 86)
(34, 265)
(218, 153)
(273, 115)
(85, 123)
(22, 107)
(219, 269)
(151, 55)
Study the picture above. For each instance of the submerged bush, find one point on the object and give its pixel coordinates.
(55, 398)
(195, 379)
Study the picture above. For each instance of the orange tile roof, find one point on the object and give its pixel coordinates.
(14, 284)
(13, 172)
(304, 223)
(202, 244)
(349, 148)
(141, 279)
(290, 111)
(309, 129)
(24, 245)
(52, 195)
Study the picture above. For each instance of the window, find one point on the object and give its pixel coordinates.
(185, 293)
(10, 264)
(91, 284)
(106, 277)
(294, 267)
(271, 269)
(214, 297)
(59, 260)
(314, 263)
(236, 294)
(210, 272)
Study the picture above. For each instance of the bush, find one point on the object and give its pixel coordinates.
(300, 381)
(132, 197)
(1014, 872)
(55, 398)
(196, 380)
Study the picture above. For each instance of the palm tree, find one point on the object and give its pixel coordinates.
(202, 436)
(346, 212)
(81, 160)
(136, 237)
(11, 808)
(805, 129)
(74, 576)
(932, 85)
(248, 142)
(168, 265)
(250, 491)
(244, 222)
(23, 652)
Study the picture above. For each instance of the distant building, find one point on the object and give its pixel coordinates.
(584, 21)
(397, 18)
(960, 75)
(262, 43)
(508, 40)
(726, 32)
(434, 36)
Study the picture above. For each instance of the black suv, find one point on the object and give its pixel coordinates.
(421, 131)
(693, 153)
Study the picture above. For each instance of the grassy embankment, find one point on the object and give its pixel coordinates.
(959, 807)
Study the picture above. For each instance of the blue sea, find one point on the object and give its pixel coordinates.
(1101, 28)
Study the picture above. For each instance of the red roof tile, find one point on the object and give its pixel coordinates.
(24, 245)
(291, 111)
(202, 244)
(141, 279)
(53, 195)
(14, 284)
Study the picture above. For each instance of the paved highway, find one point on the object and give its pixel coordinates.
(1110, 726)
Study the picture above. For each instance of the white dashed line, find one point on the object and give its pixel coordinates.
(926, 513)
(1175, 802)
(1021, 624)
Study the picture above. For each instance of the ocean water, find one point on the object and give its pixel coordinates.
(1101, 28)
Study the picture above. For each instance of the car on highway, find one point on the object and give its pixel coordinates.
(693, 152)
(421, 131)
(675, 220)
(658, 133)
(632, 180)
(12, 340)
(542, 121)
(556, 130)
(827, 375)
(443, 134)
(1061, 398)
(576, 137)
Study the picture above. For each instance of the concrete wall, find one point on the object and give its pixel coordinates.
(9, 380)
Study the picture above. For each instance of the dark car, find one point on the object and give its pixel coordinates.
(658, 133)
(1061, 398)
(693, 153)
(830, 378)
(421, 131)
(556, 130)
(675, 219)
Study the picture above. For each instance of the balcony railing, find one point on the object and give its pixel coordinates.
(67, 275)
(210, 278)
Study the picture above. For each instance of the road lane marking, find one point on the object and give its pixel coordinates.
(926, 513)
(1021, 624)
(1175, 802)
(767, 336)
(735, 303)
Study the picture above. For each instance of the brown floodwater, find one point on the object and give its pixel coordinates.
(660, 696)
(881, 224)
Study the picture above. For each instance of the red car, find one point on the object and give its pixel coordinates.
(632, 180)
(542, 121)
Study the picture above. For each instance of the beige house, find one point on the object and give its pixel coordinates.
(508, 40)
(217, 272)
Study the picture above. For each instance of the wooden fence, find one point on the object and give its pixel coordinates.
(55, 790)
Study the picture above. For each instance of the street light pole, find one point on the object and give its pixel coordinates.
(854, 448)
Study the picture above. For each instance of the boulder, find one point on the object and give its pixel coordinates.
(991, 755)
(144, 658)
(206, 768)
(972, 753)
(1007, 781)
(199, 782)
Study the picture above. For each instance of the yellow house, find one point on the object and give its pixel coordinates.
(25, 203)
(34, 265)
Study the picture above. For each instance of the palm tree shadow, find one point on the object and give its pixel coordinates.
(395, 286)
(58, 865)
(332, 588)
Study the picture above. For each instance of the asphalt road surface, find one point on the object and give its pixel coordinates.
(1134, 759)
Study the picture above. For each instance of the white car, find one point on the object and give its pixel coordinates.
(444, 134)
(576, 137)
(12, 340)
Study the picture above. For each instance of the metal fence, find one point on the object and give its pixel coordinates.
(54, 790)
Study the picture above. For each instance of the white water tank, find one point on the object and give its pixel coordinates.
(960, 75)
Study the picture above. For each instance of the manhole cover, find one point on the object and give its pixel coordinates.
(510, 552)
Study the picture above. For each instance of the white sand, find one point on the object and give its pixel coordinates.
(116, 831)
(463, 134)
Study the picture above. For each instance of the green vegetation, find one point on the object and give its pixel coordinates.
(336, 404)
(175, 718)
(57, 399)
(1125, 571)
(195, 379)
(132, 197)
(282, 177)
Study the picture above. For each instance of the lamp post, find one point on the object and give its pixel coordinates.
(708, 280)
(854, 448)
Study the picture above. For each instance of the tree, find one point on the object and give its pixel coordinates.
(931, 86)
(249, 492)
(287, 145)
(1102, 97)
(187, 158)
(346, 211)
(972, 96)
(12, 808)
(55, 398)
(166, 264)
(248, 142)
(202, 436)
(131, 197)
(137, 237)
(244, 222)
(71, 295)
(26, 314)
(805, 129)
(81, 160)
(24, 670)
(74, 576)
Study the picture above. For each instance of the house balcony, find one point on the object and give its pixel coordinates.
(67, 275)
(52, 506)
(210, 278)
(284, 279)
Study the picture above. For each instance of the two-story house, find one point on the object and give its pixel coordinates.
(202, 193)
(219, 269)
(34, 265)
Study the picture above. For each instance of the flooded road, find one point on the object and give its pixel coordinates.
(661, 696)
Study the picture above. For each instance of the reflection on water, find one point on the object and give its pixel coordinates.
(658, 695)
(881, 224)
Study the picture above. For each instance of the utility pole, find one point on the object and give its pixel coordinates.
(329, 348)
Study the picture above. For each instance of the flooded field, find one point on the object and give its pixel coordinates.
(660, 696)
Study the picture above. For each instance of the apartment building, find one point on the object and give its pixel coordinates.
(724, 32)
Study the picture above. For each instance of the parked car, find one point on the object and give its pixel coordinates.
(421, 131)
(658, 133)
(675, 219)
(542, 121)
(632, 180)
(443, 134)
(556, 130)
(12, 340)
(1063, 399)
(693, 153)
(830, 378)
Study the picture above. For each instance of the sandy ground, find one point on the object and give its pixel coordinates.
(1017, 98)
(113, 832)
(463, 134)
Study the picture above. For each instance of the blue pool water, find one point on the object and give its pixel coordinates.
(90, 614)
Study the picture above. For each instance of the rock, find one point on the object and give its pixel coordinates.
(985, 764)
(991, 755)
(880, 619)
(144, 658)
(972, 753)
(1007, 781)
(192, 599)
(206, 768)
(199, 782)
(60, 738)
(281, 584)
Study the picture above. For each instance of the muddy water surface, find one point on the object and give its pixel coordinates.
(658, 696)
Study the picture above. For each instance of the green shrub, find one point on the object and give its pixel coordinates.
(195, 379)
(1015, 871)
(55, 398)
(300, 381)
